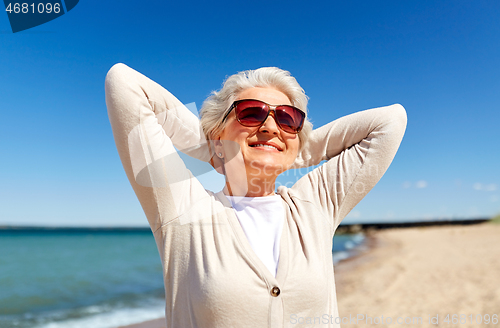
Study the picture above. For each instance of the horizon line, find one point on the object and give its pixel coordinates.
(147, 228)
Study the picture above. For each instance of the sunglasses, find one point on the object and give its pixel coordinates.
(250, 112)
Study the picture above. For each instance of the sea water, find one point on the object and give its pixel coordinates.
(88, 279)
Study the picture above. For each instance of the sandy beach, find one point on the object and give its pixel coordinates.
(446, 276)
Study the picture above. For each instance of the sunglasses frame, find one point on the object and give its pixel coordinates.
(271, 108)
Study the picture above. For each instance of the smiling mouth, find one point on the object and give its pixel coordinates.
(265, 145)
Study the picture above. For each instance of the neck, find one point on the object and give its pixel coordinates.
(248, 180)
(252, 187)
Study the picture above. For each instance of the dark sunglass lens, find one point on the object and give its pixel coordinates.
(251, 113)
(290, 118)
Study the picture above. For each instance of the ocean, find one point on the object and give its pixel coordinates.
(89, 279)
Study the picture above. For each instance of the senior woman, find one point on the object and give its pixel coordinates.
(247, 256)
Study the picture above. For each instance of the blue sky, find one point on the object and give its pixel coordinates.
(440, 60)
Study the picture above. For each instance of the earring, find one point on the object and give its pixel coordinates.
(220, 155)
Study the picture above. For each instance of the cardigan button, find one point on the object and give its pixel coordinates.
(275, 291)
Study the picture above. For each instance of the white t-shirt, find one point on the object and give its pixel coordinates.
(262, 220)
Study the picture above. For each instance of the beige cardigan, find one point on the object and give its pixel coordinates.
(212, 276)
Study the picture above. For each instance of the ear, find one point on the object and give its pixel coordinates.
(218, 144)
(217, 159)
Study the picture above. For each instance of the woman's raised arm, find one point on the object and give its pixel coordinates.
(147, 122)
(359, 148)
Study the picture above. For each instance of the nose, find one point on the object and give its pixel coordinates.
(270, 125)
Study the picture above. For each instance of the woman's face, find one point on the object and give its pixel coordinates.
(267, 150)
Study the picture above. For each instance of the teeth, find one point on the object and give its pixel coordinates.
(263, 145)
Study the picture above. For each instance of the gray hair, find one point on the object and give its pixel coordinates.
(216, 106)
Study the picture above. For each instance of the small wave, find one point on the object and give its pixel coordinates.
(104, 317)
(358, 238)
(346, 246)
(339, 256)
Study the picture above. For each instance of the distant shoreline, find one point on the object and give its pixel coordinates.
(342, 229)
(364, 227)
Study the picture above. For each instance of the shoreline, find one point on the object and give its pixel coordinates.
(417, 272)
(428, 273)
